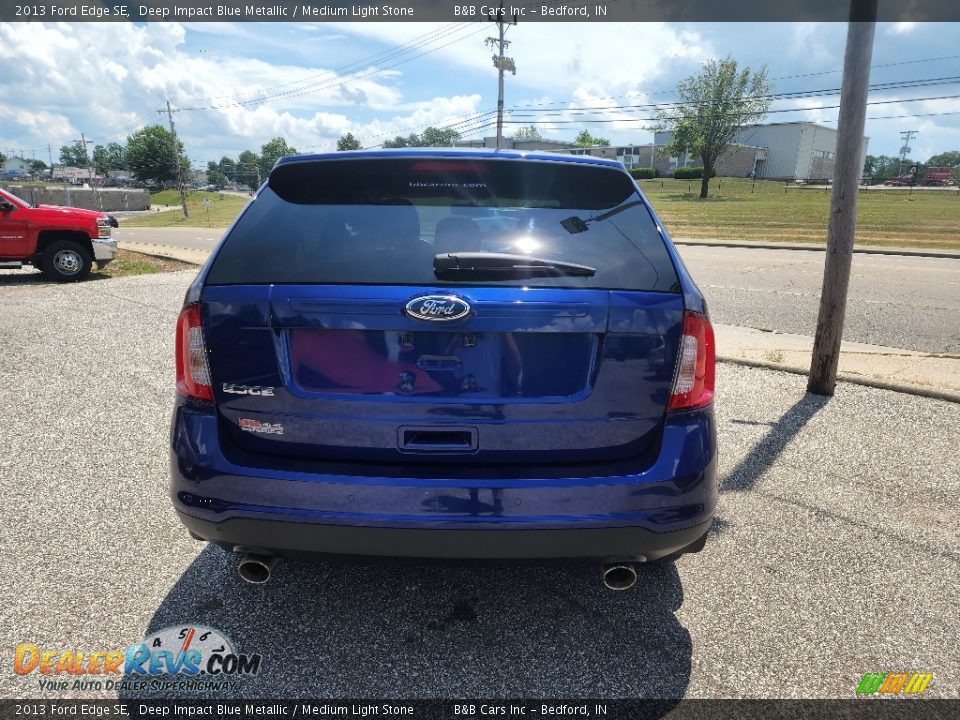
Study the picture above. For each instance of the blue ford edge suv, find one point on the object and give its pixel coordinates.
(446, 354)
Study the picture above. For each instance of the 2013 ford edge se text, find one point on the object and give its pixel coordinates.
(446, 354)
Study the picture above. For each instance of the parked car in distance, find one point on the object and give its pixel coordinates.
(446, 354)
(63, 242)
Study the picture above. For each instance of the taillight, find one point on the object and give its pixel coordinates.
(193, 373)
(693, 386)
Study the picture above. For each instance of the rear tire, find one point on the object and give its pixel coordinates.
(66, 261)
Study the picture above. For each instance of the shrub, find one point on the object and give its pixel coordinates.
(643, 173)
(691, 173)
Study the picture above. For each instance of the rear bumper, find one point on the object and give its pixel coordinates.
(595, 543)
(661, 506)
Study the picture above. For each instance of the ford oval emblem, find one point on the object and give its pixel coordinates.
(438, 308)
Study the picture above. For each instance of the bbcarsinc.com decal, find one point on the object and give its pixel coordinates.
(183, 657)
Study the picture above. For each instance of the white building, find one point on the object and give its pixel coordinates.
(15, 165)
(794, 150)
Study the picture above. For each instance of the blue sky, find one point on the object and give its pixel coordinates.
(240, 84)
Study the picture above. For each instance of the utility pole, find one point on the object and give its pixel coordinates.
(50, 156)
(86, 158)
(500, 62)
(906, 136)
(843, 201)
(176, 159)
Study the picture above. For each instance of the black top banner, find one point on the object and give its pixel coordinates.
(561, 709)
(475, 10)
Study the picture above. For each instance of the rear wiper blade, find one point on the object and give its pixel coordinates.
(490, 263)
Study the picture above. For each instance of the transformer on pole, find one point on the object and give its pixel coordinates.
(500, 62)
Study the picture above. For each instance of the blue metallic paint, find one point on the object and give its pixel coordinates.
(675, 491)
(673, 486)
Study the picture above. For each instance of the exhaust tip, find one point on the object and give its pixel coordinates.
(256, 569)
(619, 577)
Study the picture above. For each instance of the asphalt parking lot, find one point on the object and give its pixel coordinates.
(835, 553)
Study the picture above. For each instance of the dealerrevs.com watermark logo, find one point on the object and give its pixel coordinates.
(184, 657)
(890, 684)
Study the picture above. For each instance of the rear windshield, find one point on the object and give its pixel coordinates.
(382, 221)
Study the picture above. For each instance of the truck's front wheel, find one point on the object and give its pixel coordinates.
(66, 261)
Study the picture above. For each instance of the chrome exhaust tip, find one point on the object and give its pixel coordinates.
(619, 576)
(256, 569)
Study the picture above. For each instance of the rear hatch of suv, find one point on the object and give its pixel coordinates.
(443, 309)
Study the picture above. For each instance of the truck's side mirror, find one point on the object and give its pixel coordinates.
(7, 206)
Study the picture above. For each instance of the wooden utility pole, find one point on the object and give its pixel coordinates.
(906, 136)
(501, 63)
(86, 158)
(176, 160)
(843, 202)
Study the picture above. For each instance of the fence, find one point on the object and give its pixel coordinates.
(107, 200)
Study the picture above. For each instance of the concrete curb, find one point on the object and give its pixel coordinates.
(811, 247)
(167, 252)
(933, 393)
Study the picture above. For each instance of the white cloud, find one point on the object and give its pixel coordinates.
(811, 44)
(901, 28)
(107, 79)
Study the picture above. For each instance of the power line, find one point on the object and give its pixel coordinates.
(790, 95)
(390, 54)
(778, 110)
(369, 59)
(338, 79)
(782, 77)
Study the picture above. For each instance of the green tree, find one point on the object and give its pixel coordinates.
(431, 137)
(951, 158)
(74, 155)
(585, 139)
(36, 165)
(714, 106)
(248, 169)
(886, 167)
(149, 155)
(348, 142)
(272, 151)
(100, 162)
(437, 137)
(228, 166)
(401, 142)
(527, 133)
(115, 156)
(3, 158)
(214, 175)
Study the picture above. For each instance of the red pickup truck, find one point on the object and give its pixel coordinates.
(63, 242)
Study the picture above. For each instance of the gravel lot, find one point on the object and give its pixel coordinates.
(836, 549)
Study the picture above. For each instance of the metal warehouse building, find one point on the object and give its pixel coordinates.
(782, 151)
(779, 151)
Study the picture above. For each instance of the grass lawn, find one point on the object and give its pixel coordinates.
(133, 263)
(224, 208)
(732, 212)
(737, 209)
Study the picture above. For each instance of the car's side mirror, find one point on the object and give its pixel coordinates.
(7, 206)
